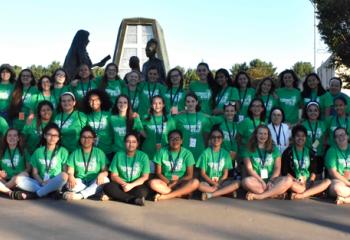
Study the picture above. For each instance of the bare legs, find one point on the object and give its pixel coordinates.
(339, 190)
(226, 187)
(300, 191)
(165, 192)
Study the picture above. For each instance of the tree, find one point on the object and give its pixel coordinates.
(98, 71)
(189, 76)
(302, 69)
(238, 68)
(334, 28)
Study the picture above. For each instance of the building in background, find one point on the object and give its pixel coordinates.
(133, 36)
(326, 71)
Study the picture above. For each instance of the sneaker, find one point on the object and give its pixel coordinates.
(139, 201)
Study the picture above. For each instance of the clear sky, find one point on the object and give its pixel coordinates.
(222, 32)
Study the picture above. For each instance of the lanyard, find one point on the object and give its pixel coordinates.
(313, 133)
(299, 160)
(255, 124)
(220, 96)
(12, 156)
(133, 99)
(25, 95)
(150, 96)
(278, 135)
(87, 163)
(82, 87)
(262, 157)
(63, 122)
(158, 134)
(173, 163)
(176, 96)
(189, 124)
(232, 134)
(127, 167)
(339, 124)
(99, 122)
(267, 101)
(54, 93)
(218, 161)
(48, 166)
(345, 156)
(244, 96)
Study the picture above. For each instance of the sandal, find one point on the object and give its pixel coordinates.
(156, 197)
(339, 200)
(18, 195)
(104, 197)
(249, 196)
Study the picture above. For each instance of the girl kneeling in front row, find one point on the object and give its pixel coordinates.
(215, 163)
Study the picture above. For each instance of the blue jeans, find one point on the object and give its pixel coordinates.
(32, 185)
(88, 189)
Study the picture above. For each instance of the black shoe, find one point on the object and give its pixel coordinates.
(139, 201)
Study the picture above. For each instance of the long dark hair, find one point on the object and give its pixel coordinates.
(102, 95)
(218, 88)
(193, 95)
(9, 68)
(48, 127)
(41, 105)
(210, 78)
(53, 76)
(307, 90)
(263, 113)
(16, 100)
(129, 113)
(91, 76)
(5, 145)
(168, 78)
(295, 77)
(236, 83)
(104, 80)
(40, 83)
(151, 110)
(258, 89)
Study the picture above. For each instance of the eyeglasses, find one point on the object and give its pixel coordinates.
(175, 138)
(216, 137)
(87, 137)
(52, 135)
(230, 104)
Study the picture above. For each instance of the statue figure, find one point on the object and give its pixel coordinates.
(77, 55)
(151, 50)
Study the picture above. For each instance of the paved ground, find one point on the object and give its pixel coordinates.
(222, 218)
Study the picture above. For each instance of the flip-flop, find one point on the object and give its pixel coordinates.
(104, 197)
(339, 200)
(249, 196)
(156, 197)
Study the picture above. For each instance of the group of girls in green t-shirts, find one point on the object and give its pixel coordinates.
(127, 140)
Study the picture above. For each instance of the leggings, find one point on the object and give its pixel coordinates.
(114, 191)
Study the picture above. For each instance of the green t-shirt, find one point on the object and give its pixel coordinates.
(290, 101)
(204, 93)
(269, 102)
(14, 163)
(193, 126)
(70, 126)
(49, 163)
(315, 134)
(246, 129)
(118, 125)
(138, 100)
(301, 161)
(100, 122)
(32, 134)
(130, 169)
(3, 126)
(174, 97)
(57, 92)
(333, 112)
(257, 160)
(152, 89)
(324, 101)
(83, 88)
(156, 130)
(229, 130)
(38, 97)
(114, 88)
(88, 166)
(174, 163)
(229, 94)
(27, 106)
(334, 122)
(214, 163)
(5, 94)
(245, 98)
(338, 159)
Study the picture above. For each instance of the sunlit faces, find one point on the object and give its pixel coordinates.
(45, 113)
(221, 79)
(313, 112)
(312, 82)
(175, 78)
(266, 87)
(87, 139)
(153, 75)
(216, 139)
(67, 103)
(300, 139)
(5, 75)
(341, 137)
(60, 77)
(276, 117)
(230, 112)
(334, 86)
(157, 105)
(12, 137)
(52, 136)
(243, 81)
(262, 135)
(339, 106)
(84, 72)
(175, 141)
(256, 108)
(131, 143)
(202, 72)
(122, 104)
(46, 84)
(191, 104)
(95, 103)
(133, 78)
(26, 78)
(288, 80)
(111, 72)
